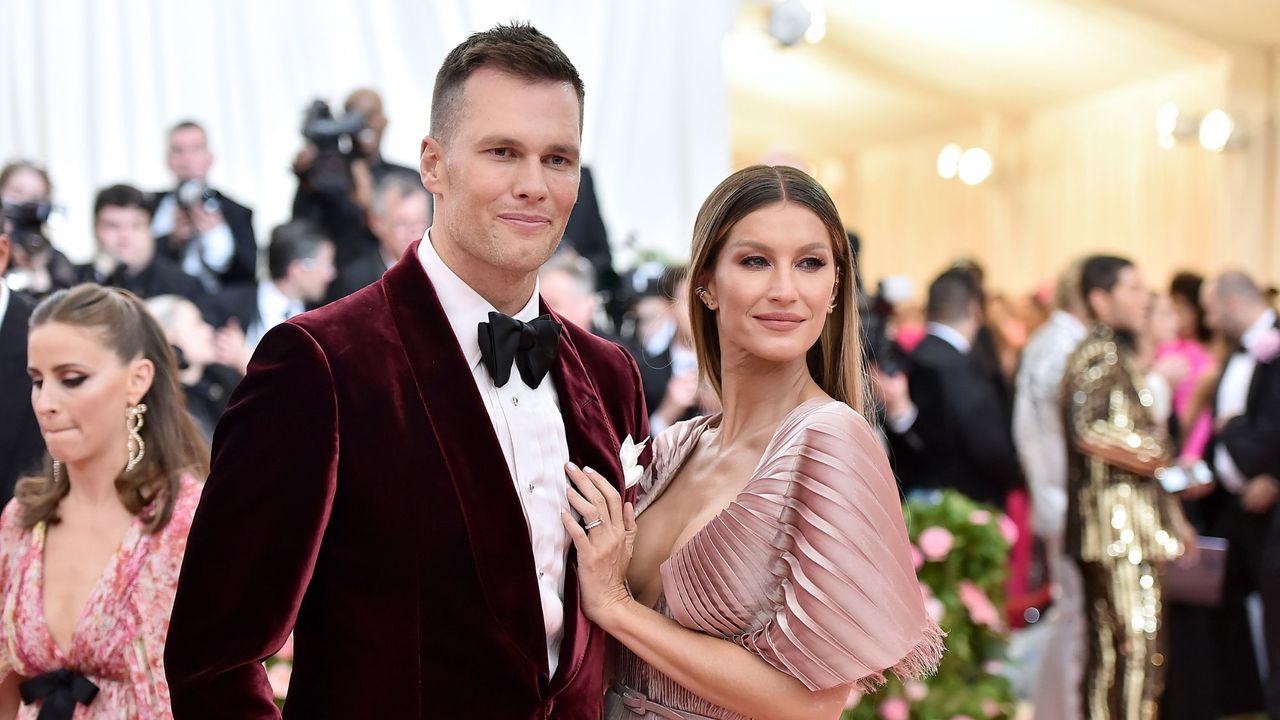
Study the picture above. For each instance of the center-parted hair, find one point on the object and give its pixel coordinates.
(174, 444)
(835, 361)
(517, 49)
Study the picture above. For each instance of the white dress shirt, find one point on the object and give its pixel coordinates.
(274, 307)
(950, 336)
(1233, 397)
(1037, 420)
(530, 430)
(206, 254)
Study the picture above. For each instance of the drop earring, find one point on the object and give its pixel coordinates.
(134, 420)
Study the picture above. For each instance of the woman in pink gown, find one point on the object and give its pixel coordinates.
(90, 549)
(765, 569)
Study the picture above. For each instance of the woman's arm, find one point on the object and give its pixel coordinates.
(717, 669)
(710, 667)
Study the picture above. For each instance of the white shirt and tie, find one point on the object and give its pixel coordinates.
(274, 307)
(531, 415)
(1233, 397)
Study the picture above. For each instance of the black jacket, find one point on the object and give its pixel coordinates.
(21, 445)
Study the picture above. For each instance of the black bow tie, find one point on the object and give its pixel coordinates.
(531, 344)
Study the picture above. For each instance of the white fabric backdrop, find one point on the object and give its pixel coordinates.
(89, 87)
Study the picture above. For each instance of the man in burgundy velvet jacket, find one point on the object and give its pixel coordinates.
(391, 491)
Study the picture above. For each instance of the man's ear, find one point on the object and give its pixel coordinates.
(431, 165)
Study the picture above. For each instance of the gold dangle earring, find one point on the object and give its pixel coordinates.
(57, 471)
(134, 420)
(701, 292)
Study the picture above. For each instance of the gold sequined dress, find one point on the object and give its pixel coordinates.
(1121, 526)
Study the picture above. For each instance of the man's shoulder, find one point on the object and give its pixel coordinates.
(601, 355)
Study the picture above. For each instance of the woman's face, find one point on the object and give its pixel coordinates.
(1164, 324)
(773, 282)
(80, 391)
(23, 186)
(1188, 319)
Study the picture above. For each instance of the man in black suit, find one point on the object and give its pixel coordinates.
(300, 258)
(401, 214)
(21, 445)
(127, 255)
(957, 435)
(586, 233)
(1245, 454)
(209, 235)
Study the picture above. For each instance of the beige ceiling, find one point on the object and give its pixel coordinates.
(890, 70)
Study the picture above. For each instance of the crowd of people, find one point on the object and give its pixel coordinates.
(1118, 426)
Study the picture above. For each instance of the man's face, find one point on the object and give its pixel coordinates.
(124, 233)
(312, 276)
(1129, 301)
(189, 157)
(404, 218)
(369, 104)
(507, 177)
(4, 254)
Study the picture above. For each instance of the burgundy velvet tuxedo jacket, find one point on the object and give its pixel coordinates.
(359, 492)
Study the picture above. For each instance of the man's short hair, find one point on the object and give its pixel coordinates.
(400, 185)
(952, 295)
(574, 267)
(1236, 284)
(188, 125)
(291, 242)
(1100, 272)
(518, 49)
(126, 196)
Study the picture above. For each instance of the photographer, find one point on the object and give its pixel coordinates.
(401, 214)
(36, 267)
(338, 169)
(209, 235)
(127, 250)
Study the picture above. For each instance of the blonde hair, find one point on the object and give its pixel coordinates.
(836, 360)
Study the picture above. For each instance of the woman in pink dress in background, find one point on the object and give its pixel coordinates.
(765, 570)
(90, 549)
(1189, 351)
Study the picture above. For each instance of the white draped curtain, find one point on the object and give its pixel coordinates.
(89, 87)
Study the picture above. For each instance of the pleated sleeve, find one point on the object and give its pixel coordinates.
(846, 606)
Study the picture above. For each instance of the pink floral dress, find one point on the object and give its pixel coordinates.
(118, 642)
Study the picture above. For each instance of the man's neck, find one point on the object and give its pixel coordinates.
(508, 292)
(286, 289)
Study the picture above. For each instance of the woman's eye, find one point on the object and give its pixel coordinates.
(755, 261)
(74, 380)
(36, 383)
(813, 263)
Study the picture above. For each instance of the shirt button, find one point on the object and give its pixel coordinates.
(515, 401)
(541, 574)
(532, 487)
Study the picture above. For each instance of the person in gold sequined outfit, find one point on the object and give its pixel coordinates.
(1122, 526)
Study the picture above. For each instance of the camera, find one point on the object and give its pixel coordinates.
(194, 192)
(336, 143)
(881, 350)
(25, 224)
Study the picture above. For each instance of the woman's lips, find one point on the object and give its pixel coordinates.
(780, 320)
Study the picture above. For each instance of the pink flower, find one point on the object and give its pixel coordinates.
(1267, 347)
(993, 667)
(915, 690)
(979, 517)
(278, 676)
(990, 708)
(286, 650)
(895, 709)
(981, 611)
(961, 717)
(1009, 529)
(935, 609)
(916, 558)
(936, 542)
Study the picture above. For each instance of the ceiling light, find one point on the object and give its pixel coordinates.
(1167, 119)
(975, 166)
(1215, 130)
(949, 161)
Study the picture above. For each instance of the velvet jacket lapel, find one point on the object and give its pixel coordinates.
(593, 444)
(496, 526)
